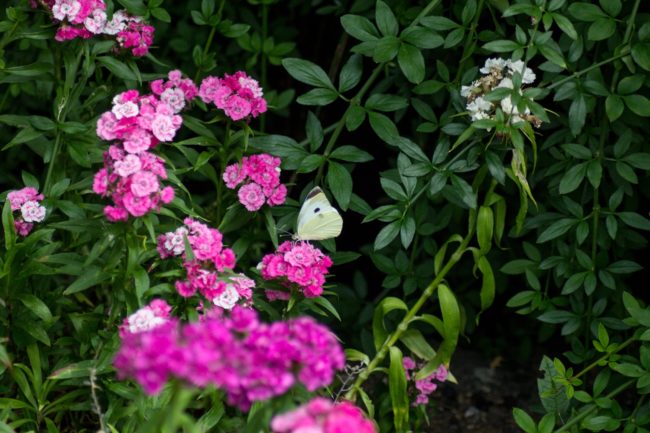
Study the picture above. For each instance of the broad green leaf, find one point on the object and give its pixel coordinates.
(307, 72)
(397, 390)
(411, 62)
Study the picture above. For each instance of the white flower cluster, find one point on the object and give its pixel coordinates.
(497, 73)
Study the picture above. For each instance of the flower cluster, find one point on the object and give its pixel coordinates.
(208, 267)
(146, 318)
(131, 175)
(88, 18)
(498, 73)
(248, 359)
(424, 386)
(322, 416)
(238, 95)
(297, 265)
(27, 201)
(260, 175)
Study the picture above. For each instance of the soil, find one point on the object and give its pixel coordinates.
(484, 397)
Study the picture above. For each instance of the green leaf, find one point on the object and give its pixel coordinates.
(524, 421)
(117, 68)
(488, 286)
(411, 62)
(386, 235)
(565, 25)
(586, 11)
(397, 390)
(577, 114)
(601, 29)
(307, 72)
(340, 183)
(351, 73)
(314, 131)
(91, 277)
(8, 226)
(641, 55)
(439, 23)
(161, 14)
(359, 27)
(416, 343)
(318, 96)
(356, 116)
(384, 127)
(384, 102)
(451, 321)
(502, 46)
(624, 267)
(635, 220)
(421, 37)
(464, 191)
(407, 231)
(614, 107)
(386, 49)
(386, 21)
(638, 104)
(573, 178)
(387, 305)
(351, 154)
(36, 306)
(556, 229)
(484, 228)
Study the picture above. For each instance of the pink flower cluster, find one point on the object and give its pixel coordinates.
(27, 201)
(260, 175)
(131, 175)
(146, 318)
(427, 385)
(210, 270)
(238, 95)
(248, 359)
(297, 265)
(87, 18)
(322, 416)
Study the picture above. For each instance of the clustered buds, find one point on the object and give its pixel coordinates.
(88, 18)
(498, 73)
(132, 175)
(209, 270)
(25, 203)
(297, 265)
(260, 176)
(238, 95)
(248, 359)
(424, 386)
(323, 416)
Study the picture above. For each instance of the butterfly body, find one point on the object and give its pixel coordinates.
(318, 219)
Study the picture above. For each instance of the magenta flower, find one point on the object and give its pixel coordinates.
(323, 416)
(238, 95)
(260, 175)
(25, 203)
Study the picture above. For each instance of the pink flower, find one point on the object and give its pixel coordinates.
(127, 109)
(144, 183)
(237, 108)
(167, 194)
(234, 175)
(66, 9)
(251, 196)
(96, 21)
(322, 416)
(278, 196)
(137, 206)
(115, 214)
(163, 128)
(100, 182)
(129, 165)
(174, 97)
(138, 140)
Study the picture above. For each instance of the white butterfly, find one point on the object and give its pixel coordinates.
(318, 219)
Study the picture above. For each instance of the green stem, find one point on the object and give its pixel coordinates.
(50, 165)
(590, 409)
(470, 42)
(265, 60)
(403, 325)
(604, 357)
(584, 71)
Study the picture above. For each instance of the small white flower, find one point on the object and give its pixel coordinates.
(228, 299)
(527, 74)
(127, 109)
(143, 320)
(32, 212)
(506, 82)
(63, 9)
(95, 22)
(493, 65)
(116, 24)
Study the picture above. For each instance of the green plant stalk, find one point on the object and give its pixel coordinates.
(470, 42)
(265, 59)
(357, 98)
(403, 325)
(50, 165)
(602, 358)
(590, 409)
(208, 43)
(584, 71)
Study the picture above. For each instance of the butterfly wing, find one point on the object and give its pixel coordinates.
(318, 219)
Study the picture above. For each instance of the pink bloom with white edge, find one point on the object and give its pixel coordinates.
(66, 9)
(228, 298)
(174, 97)
(26, 208)
(127, 109)
(146, 318)
(95, 22)
(239, 95)
(129, 165)
(251, 196)
(163, 127)
(144, 183)
(32, 212)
